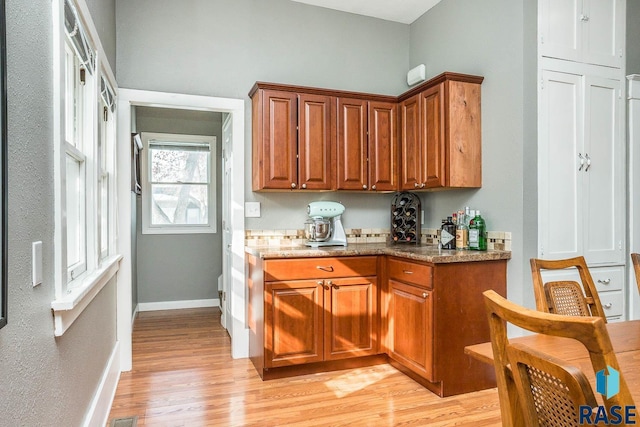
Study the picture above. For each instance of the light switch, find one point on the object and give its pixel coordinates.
(36, 266)
(252, 209)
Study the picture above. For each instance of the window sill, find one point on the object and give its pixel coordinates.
(68, 308)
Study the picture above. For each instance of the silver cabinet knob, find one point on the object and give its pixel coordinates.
(373, 187)
(364, 187)
(422, 185)
(608, 305)
(425, 295)
(605, 281)
(304, 186)
(416, 185)
(293, 185)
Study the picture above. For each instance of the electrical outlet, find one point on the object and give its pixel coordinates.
(252, 209)
(36, 263)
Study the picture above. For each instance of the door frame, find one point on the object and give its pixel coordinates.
(128, 98)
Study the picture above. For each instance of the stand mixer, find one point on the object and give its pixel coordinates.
(324, 226)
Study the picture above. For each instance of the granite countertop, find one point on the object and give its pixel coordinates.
(426, 253)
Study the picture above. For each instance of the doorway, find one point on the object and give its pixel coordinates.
(233, 210)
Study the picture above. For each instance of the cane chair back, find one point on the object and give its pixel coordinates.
(551, 391)
(568, 298)
(509, 362)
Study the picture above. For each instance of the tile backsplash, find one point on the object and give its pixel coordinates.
(496, 240)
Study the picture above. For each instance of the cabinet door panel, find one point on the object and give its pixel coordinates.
(410, 144)
(559, 177)
(561, 28)
(351, 326)
(279, 159)
(293, 323)
(433, 150)
(603, 32)
(383, 155)
(411, 327)
(316, 138)
(604, 178)
(352, 144)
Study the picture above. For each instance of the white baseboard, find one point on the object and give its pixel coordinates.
(135, 313)
(98, 413)
(175, 305)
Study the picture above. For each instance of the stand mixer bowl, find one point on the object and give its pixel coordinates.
(317, 229)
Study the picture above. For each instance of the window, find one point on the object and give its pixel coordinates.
(178, 188)
(85, 140)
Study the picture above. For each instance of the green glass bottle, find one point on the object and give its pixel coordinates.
(479, 232)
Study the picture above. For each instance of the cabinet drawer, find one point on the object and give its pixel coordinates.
(409, 272)
(319, 268)
(612, 303)
(608, 278)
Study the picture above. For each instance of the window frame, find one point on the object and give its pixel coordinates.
(177, 139)
(75, 288)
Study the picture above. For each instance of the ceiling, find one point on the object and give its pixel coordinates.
(403, 11)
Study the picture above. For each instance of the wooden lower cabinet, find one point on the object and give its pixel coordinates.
(316, 314)
(312, 311)
(411, 331)
(431, 312)
(293, 323)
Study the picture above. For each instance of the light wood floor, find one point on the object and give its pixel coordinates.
(183, 375)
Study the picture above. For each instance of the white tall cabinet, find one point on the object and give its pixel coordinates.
(634, 185)
(581, 140)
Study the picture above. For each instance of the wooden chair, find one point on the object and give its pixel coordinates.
(560, 388)
(635, 258)
(566, 297)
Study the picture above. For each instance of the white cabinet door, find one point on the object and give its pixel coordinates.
(559, 181)
(603, 32)
(581, 168)
(604, 174)
(588, 31)
(560, 29)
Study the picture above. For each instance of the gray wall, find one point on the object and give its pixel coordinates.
(182, 266)
(45, 380)
(633, 37)
(488, 39)
(221, 48)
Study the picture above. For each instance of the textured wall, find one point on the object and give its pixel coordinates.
(221, 48)
(45, 380)
(488, 38)
(103, 13)
(178, 267)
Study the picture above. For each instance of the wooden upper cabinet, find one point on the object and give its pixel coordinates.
(293, 141)
(410, 144)
(352, 144)
(316, 142)
(367, 145)
(463, 137)
(383, 146)
(275, 140)
(429, 138)
(433, 149)
(441, 135)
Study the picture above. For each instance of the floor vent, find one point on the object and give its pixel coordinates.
(124, 422)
